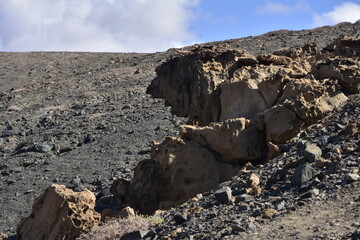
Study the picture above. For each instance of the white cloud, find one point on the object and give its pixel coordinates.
(346, 12)
(95, 25)
(275, 8)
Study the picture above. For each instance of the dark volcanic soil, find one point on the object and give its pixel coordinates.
(83, 119)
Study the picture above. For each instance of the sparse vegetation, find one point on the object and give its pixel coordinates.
(116, 228)
(154, 220)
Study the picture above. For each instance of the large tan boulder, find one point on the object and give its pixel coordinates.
(235, 140)
(183, 165)
(175, 174)
(59, 213)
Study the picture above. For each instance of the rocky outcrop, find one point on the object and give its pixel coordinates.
(303, 101)
(190, 83)
(240, 108)
(60, 213)
(340, 61)
(289, 86)
(175, 173)
(234, 140)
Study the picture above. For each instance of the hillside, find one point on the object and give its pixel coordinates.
(84, 120)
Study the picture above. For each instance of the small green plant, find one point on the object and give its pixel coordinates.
(155, 220)
(152, 219)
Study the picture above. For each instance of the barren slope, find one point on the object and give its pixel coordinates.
(83, 119)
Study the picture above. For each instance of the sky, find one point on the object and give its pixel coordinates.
(155, 25)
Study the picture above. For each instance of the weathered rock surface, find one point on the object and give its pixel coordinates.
(340, 61)
(189, 83)
(235, 140)
(304, 200)
(221, 85)
(60, 213)
(175, 174)
(240, 108)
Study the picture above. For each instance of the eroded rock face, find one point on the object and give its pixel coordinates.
(294, 86)
(303, 101)
(175, 174)
(189, 83)
(235, 140)
(340, 61)
(60, 213)
(240, 107)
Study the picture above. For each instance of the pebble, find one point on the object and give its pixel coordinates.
(302, 175)
(340, 126)
(351, 177)
(223, 195)
(129, 152)
(76, 181)
(29, 191)
(238, 228)
(138, 235)
(269, 213)
(311, 194)
(183, 234)
(321, 162)
(42, 148)
(244, 207)
(280, 206)
(251, 226)
(3, 236)
(244, 198)
(78, 106)
(179, 218)
(144, 151)
(312, 152)
(89, 138)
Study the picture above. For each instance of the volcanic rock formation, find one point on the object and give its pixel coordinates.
(60, 213)
(239, 107)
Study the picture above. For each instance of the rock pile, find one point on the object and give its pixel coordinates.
(240, 109)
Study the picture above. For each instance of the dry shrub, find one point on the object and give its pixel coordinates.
(116, 228)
